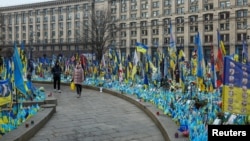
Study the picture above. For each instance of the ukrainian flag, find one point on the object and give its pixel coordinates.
(141, 47)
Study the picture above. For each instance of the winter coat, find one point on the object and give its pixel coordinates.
(78, 75)
(56, 71)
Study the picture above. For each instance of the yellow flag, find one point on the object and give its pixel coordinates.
(222, 48)
(133, 72)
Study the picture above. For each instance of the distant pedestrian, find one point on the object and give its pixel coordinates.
(57, 71)
(78, 78)
(30, 68)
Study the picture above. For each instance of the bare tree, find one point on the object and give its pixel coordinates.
(99, 32)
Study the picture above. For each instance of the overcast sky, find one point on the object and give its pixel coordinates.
(4, 3)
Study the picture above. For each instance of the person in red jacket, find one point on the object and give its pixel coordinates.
(78, 78)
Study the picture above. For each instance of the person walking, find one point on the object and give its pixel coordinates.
(78, 78)
(56, 71)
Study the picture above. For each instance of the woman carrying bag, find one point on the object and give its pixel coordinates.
(78, 78)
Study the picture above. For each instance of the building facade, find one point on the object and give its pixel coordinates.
(55, 27)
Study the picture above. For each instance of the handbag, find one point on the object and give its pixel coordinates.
(72, 86)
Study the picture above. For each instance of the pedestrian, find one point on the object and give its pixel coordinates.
(30, 68)
(78, 78)
(57, 71)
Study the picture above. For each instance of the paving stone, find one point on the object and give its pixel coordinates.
(101, 117)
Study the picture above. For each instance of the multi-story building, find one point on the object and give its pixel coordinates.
(55, 26)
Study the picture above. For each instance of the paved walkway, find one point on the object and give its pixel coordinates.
(96, 117)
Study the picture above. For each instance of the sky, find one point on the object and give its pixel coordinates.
(4, 3)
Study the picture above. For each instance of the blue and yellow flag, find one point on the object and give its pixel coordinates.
(141, 47)
(5, 92)
(236, 88)
(18, 70)
(200, 62)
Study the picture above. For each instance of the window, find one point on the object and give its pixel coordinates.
(224, 15)
(241, 13)
(145, 41)
(144, 14)
(53, 26)
(61, 25)
(69, 33)
(225, 4)
(180, 2)
(77, 24)
(53, 18)
(241, 2)
(37, 27)
(123, 33)
(180, 40)
(225, 37)
(61, 33)
(155, 31)
(133, 33)
(167, 11)
(77, 7)
(30, 13)
(144, 32)
(208, 39)
(194, 8)
(167, 2)
(156, 4)
(155, 13)
(155, 41)
(85, 7)
(191, 39)
(45, 11)
(134, 7)
(133, 42)
(123, 42)
(123, 25)
(24, 28)
(240, 36)
(123, 9)
(113, 2)
(113, 10)
(85, 14)
(144, 6)
(123, 17)
(45, 34)
(60, 17)
(69, 16)
(53, 33)
(208, 6)
(60, 10)
(77, 16)
(45, 26)
(53, 11)
(180, 29)
(133, 16)
(68, 24)
(38, 19)
(180, 10)
(133, 24)
(143, 23)
(154, 22)
(45, 19)
(179, 20)
(38, 12)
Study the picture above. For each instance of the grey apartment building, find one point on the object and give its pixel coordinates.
(54, 27)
